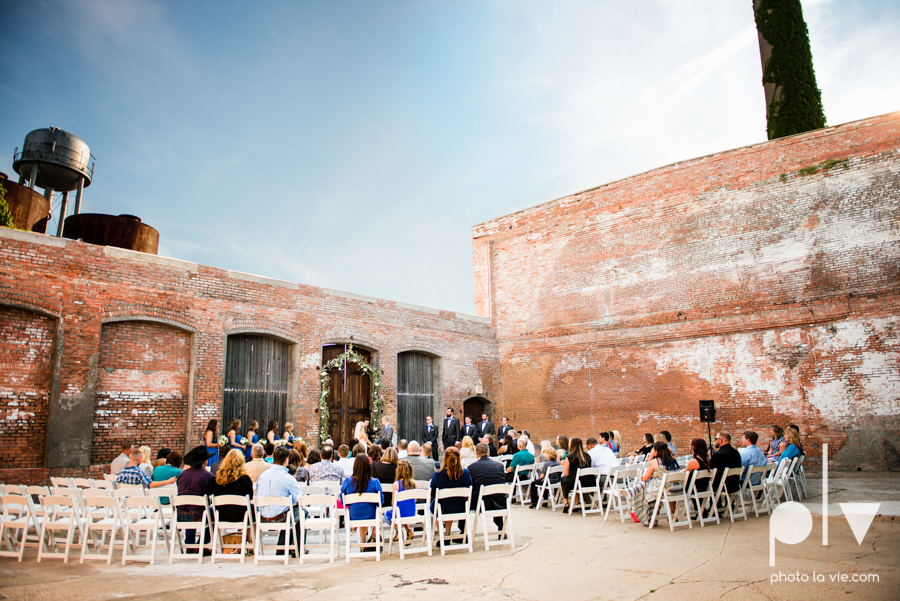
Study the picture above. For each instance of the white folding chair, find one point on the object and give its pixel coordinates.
(666, 497)
(177, 526)
(60, 482)
(104, 484)
(801, 476)
(125, 486)
(33, 495)
(522, 479)
(794, 476)
(759, 497)
(287, 527)
(110, 477)
(614, 491)
(77, 505)
(222, 528)
(142, 515)
(82, 483)
(102, 515)
(60, 515)
(703, 499)
(731, 499)
(505, 534)
(440, 518)
(581, 490)
(548, 491)
(421, 496)
(321, 516)
(423, 484)
(15, 516)
(778, 483)
(377, 544)
(164, 494)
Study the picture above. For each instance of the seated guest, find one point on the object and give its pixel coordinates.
(277, 482)
(523, 457)
(545, 444)
(507, 447)
(549, 460)
(467, 450)
(648, 446)
(375, 452)
(361, 449)
(326, 470)
(485, 472)
(161, 456)
(601, 456)
(617, 439)
(643, 494)
(451, 475)
(303, 472)
(528, 444)
(793, 447)
(725, 457)
(146, 460)
(777, 444)
(402, 449)
(344, 460)
(171, 469)
(575, 460)
(562, 447)
(607, 437)
(232, 479)
(668, 436)
(385, 471)
(121, 461)
(796, 429)
(269, 449)
(421, 461)
(361, 481)
(295, 462)
(751, 456)
(352, 444)
(492, 448)
(406, 509)
(195, 480)
(258, 464)
(699, 461)
(133, 474)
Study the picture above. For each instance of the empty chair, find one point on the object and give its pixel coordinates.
(505, 534)
(61, 515)
(102, 516)
(62, 482)
(424, 521)
(321, 516)
(778, 483)
(442, 519)
(522, 479)
(104, 484)
(110, 477)
(226, 512)
(614, 491)
(701, 498)
(759, 496)
(142, 515)
(801, 476)
(196, 530)
(15, 522)
(82, 483)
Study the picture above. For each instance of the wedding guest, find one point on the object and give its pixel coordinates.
(404, 481)
(326, 470)
(644, 492)
(562, 447)
(146, 461)
(451, 475)
(467, 450)
(121, 461)
(549, 460)
(232, 479)
(574, 460)
(258, 464)
(361, 481)
(385, 471)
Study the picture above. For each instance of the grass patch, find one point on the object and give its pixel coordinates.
(823, 166)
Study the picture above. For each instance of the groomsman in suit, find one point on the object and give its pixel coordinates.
(470, 430)
(505, 428)
(486, 426)
(430, 434)
(451, 435)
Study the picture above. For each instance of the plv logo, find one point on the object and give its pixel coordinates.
(791, 522)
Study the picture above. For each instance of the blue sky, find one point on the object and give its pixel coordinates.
(353, 144)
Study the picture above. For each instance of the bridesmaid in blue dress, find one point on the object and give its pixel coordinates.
(289, 433)
(252, 438)
(211, 441)
(234, 436)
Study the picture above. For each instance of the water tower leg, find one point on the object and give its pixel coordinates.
(62, 214)
(34, 174)
(78, 196)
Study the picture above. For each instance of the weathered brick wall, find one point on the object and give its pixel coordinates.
(734, 277)
(26, 349)
(152, 333)
(141, 388)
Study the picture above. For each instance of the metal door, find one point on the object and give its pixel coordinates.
(256, 380)
(415, 393)
(349, 392)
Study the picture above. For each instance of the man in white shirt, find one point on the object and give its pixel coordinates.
(121, 462)
(278, 482)
(345, 461)
(529, 446)
(601, 456)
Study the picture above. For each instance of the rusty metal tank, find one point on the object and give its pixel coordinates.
(122, 231)
(62, 159)
(29, 209)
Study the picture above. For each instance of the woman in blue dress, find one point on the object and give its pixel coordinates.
(406, 508)
(252, 438)
(362, 482)
(234, 436)
(211, 441)
(451, 475)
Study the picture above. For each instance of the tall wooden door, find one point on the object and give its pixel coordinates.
(256, 380)
(349, 394)
(473, 408)
(415, 393)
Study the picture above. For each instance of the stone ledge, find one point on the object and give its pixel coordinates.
(32, 237)
(259, 279)
(133, 255)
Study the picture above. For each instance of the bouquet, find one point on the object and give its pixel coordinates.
(283, 443)
(244, 440)
(223, 440)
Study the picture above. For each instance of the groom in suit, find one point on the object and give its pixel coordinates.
(504, 427)
(470, 430)
(486, 426)
(451, 435)
(430, 434)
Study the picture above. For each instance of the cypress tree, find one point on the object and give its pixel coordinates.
(796, 104)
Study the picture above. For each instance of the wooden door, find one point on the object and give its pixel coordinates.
(349, 394)
(256, 380)
(415, 393)
(473, 408)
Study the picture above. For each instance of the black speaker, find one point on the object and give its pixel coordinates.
(707, 412)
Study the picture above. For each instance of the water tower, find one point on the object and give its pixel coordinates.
(55, 160)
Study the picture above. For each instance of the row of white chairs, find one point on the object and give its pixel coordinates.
(50, 518)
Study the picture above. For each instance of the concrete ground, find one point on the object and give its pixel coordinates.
(556, 557)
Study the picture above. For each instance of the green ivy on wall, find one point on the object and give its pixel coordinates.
(797, 104)
(6, 217)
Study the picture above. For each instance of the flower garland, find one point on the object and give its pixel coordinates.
(350, 356)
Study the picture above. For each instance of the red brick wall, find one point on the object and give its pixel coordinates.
(732, 277)
(26, 349)
(142, 388)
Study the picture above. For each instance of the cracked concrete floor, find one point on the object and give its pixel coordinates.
(557, 556)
